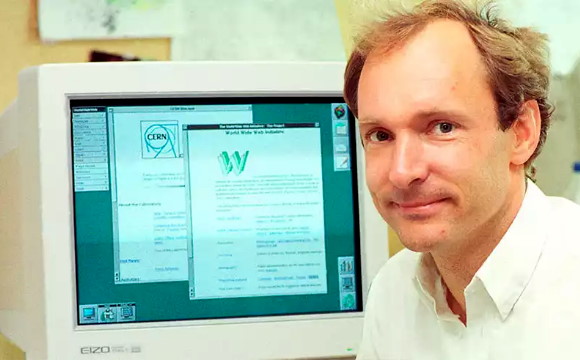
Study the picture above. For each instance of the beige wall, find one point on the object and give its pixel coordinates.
(554, 165)
(573, 84)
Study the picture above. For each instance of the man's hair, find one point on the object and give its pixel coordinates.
(516, 58)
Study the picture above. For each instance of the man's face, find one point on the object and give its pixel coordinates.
(437, 164)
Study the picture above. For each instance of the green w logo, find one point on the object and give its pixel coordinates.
(234, 162)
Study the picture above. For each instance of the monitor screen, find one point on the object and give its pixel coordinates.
(214, 208)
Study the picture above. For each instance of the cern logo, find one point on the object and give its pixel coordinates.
(159, 139)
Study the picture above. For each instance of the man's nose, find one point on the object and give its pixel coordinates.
(408, 165)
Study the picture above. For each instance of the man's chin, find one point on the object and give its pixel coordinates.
(419, 246)
(421, 241)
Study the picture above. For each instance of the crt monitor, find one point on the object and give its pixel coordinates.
(189, 210)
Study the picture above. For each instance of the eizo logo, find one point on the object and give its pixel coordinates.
(234, 162)
(110, 350)
(87, 350)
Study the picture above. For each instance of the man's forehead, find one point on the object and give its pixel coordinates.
(444, 46)
(439, 66)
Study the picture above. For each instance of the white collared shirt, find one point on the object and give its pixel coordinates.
(523, 303)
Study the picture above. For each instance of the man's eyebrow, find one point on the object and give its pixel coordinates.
(368, 120)
(421, 115)
(439, 113)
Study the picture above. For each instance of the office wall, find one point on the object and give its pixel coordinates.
(573, 81)
(21, 46)
(554, 165)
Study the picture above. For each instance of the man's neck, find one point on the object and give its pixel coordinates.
(458, 267)
(457, 271)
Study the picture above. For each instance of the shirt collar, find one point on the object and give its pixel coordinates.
(508, 269)
(430, 285)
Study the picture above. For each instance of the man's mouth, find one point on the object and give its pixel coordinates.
(423, 208)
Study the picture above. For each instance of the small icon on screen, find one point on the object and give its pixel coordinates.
(89, 313)
(340, 128)
(127, 312)
(339, 111)
(346, 265)
(347, 284)
(348, 302)
(340, 148)
(107, 314)
(342, 162)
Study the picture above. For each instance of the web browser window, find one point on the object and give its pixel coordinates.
(261, 230)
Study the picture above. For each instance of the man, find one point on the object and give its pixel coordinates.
(452, 107)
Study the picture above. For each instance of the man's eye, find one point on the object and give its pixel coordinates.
(444, 128)
(379, 135)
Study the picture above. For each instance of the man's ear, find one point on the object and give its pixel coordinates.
(526, 129)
